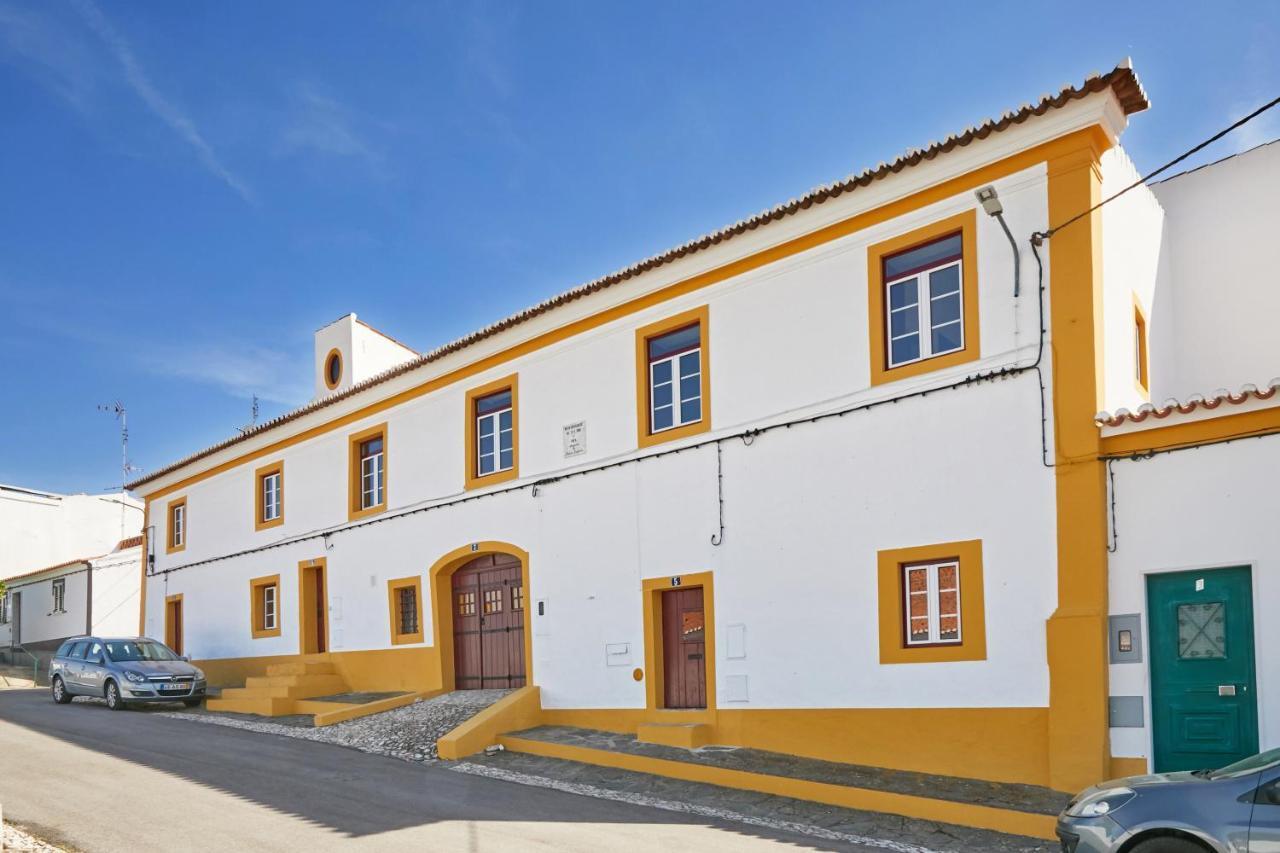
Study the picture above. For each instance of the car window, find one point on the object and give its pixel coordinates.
(63, 649)
(94, 655)
(127, 650)
(78, 650)
(1252, 764)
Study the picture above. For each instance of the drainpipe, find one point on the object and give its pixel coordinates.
(88, 606)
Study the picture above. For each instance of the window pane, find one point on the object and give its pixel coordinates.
(945, 310)
(689, 364)
(922, 257)
(1202, 631)
(662, 418)
(486, 464)
(504, 460)
(662, 395)
(493, 402)
(671, 342)
(661, 372)
(946, 338)
(691, 410)
(947, 603)
(905, 349)
(945, 281)
(949, 628)
(947, 578)
(690, 388)
(486, 444)
(371, 447)
(486, 427)
(904, 322)
(903, 293)
(919, 605)
(919, 630)
(504, 420)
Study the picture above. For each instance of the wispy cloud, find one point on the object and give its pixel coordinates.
(323, 125)
(1255, 89)
(49, 53)
(159, 105)
(241, 370)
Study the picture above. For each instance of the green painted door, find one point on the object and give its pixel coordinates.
(1204, 710)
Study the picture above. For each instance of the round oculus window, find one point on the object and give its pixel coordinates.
(333, 369)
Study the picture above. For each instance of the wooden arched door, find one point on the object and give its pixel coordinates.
(488, 603)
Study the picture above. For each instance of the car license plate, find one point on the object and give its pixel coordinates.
(175, 688)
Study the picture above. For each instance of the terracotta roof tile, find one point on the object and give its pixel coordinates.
(1121, 80)
(1191, 404)
(47, 569)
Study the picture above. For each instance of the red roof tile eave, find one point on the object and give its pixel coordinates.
(46, 569)
(1122, 80)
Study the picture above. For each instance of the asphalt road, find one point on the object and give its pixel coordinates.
(94, 780)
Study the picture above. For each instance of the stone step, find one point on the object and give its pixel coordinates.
(303, 687)
(304, 667)
(1014, 809)
(683, 735)
(265, 707)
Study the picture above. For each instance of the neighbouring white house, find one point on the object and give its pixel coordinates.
(94, 595)
(832, 481)
(40, 528)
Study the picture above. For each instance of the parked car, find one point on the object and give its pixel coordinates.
(124, 672)
(1235, 809)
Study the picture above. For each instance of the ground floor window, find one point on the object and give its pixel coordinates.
(60, 595)
(404, 597)
(931, 604)
(264, 597)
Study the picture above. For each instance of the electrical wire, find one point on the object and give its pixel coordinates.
(1175, 161)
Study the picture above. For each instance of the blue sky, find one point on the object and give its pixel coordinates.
(191, 189)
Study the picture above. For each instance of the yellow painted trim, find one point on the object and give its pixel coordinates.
(171, 638)
(257, 607)
(865, 799)
(1174, 435)
(1142, 378)
(651, 591)
(1079, 734)
(142, 581)
(354, 712)
(259, 500)
(519, 710)
(408, 669)
(967, 224)
(307, 606)
(354, 510)
(1122, 767)
(471, 480)
(973, 619)
(394, 586)
(324, 367)
(441, 579)
(169, 546)
(946, 189)
(701, 316)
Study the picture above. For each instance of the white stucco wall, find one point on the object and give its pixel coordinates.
(806, 509)
(40, 529)
(1198, 509)
(366, 352)
(1223, 269)
(117, 595)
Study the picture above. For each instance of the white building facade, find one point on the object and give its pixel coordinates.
(819, 482)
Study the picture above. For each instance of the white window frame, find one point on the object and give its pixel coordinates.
(499, 435)
(372, 474)
(271, 494)
(270, 593)
(924, 329)
(178, 522)
(59, 595)
(933, 603)
(677, 402)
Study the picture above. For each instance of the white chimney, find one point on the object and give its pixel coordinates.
(349, 351)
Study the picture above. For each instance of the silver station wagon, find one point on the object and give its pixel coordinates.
(124, 672)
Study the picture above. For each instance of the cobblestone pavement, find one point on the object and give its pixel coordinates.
(1004, 795)
(408, 733)
(831, 823)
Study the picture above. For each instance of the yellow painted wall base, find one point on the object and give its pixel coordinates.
(414, 669)
(995, 744)
(519, 710)
(1121, 767)
(960, 814)
(683, 735)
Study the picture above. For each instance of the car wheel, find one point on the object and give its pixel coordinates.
(1168, 844)
(59, 690)
(114, 701)
(192, 703)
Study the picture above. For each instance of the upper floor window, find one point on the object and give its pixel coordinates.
(673, 377)
(923, 298)
(932, 609)
(493, 432)
(924, 286)
(60, 595)
(177, 525)
(333, 369)
(269, 499)
(368, 478)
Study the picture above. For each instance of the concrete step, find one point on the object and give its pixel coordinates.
(305, 667)
(1014, 809)
(683, 735)
(265, 707)
(303, 687)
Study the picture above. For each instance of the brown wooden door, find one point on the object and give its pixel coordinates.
(313, 607)
(684, 649)
(173, 625)
(488, 623)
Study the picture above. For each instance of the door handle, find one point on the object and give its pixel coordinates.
(1226, 690)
